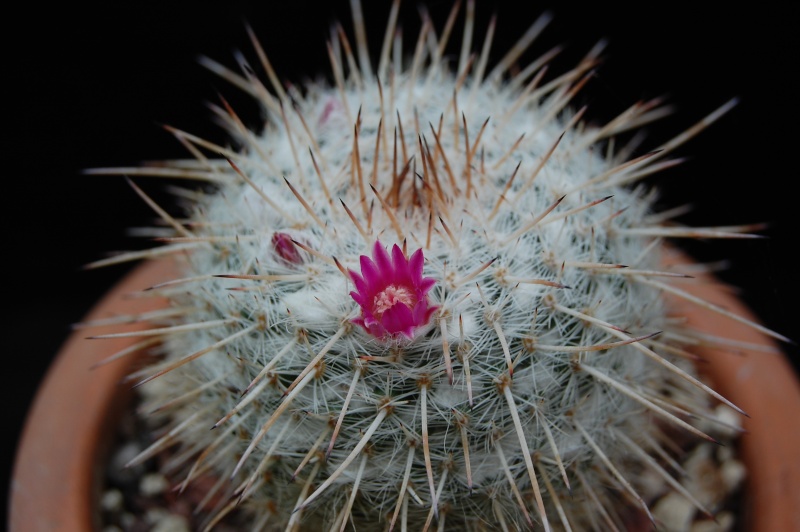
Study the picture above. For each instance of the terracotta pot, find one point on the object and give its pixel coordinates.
(766, 386)
(59, 464)
(61, 455)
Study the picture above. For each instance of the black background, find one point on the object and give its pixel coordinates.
(89, 86)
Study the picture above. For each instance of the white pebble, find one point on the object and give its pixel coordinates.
(153, 484)
(163, 521)
(111, 501)
(733, 473)
(724, 523)
(675, 512)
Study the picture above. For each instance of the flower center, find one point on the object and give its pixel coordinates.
(389, 297)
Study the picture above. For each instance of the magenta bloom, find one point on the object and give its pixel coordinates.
(392, 293)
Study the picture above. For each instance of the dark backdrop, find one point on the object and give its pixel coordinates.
(89, 86)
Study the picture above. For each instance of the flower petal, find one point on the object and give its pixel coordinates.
(358, 298)
(415, 264)
(425, 285)
(382, 261)
(422, 312)
(398, 319)
(361, 285)
(400, 266)
(371, 275)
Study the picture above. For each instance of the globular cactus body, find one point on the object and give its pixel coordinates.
(425, 296)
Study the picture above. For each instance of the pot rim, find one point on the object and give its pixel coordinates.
(57, 478)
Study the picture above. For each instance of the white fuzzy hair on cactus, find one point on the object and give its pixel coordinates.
(427, 296)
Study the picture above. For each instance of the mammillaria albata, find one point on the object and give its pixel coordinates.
(427, 296)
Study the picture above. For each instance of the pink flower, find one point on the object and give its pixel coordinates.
(392, 293)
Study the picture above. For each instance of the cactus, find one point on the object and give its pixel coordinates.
(427, 295)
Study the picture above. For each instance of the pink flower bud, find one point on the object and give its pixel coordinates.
(285, 248)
